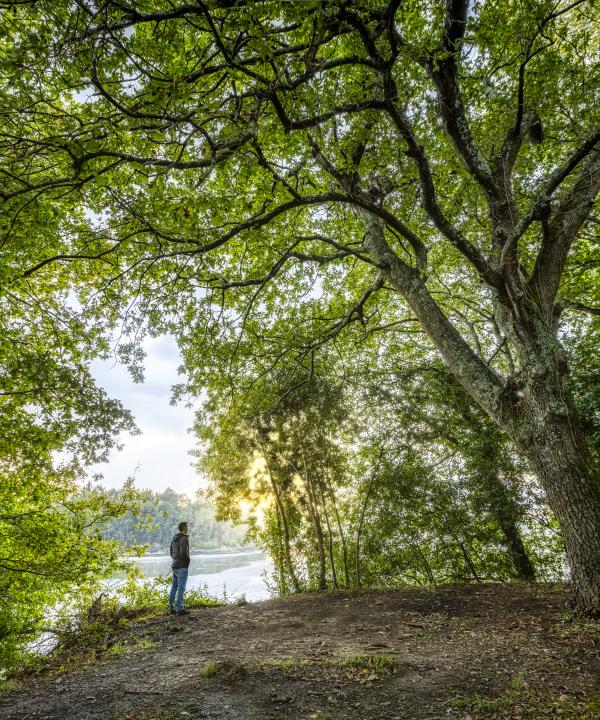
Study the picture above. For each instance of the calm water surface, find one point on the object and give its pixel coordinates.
(236, 573)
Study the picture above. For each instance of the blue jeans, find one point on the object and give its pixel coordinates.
(180, 576)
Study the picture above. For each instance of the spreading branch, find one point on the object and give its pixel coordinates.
(444, 72)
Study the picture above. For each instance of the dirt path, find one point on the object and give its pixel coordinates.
(411, 654)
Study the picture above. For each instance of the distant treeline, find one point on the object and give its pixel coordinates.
(155, 520)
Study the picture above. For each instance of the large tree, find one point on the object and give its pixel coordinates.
(198, 157)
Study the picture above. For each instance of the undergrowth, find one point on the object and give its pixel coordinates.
(91, 629)
(526, 703)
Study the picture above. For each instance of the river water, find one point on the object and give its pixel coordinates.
(233, 573)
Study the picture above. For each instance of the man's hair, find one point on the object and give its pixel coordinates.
(182, 526)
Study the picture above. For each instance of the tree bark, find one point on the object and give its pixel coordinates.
(558, 454)
(545, 426)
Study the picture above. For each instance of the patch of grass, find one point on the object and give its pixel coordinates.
(286, 665)
(144, 644)
(210, 668)
(117, 649)
(121, 648)
(9, 686)
(367, 664)
(226, 669)
(594, 703)
(151, 596)
(381, 664)
(528, 704)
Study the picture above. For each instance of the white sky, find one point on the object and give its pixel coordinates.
(159, 457)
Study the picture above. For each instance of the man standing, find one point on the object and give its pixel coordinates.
(180, 553)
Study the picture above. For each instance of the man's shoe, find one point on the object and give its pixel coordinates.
(172, 611)
(182, 612)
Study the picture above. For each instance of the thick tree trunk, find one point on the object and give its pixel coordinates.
(558, 454)
(546, 427)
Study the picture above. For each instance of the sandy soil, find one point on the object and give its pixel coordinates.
(457, 652)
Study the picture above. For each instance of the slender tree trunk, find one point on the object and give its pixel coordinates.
(341, 532)
(359, 531)
(469, 561)
(329, 536)
(486, 471)
(504, 510)
(286, 529)
(280, 554)
(312, 504)
(421, 555)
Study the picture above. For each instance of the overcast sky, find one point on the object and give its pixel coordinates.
(159, 456)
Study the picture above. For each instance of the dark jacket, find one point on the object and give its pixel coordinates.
(180, 551)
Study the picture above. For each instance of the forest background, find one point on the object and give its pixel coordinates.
(153, 521)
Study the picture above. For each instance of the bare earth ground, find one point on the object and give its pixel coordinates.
(458, 652)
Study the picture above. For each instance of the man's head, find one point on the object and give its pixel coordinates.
(183, 528)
